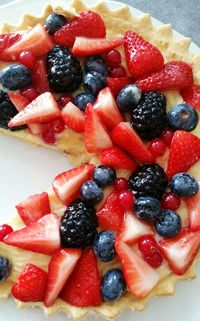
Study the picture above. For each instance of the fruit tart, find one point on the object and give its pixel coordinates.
(120, 98)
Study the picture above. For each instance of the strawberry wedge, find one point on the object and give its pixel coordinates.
(193, 206)
(73, 117)
(115, 157)
(191, 95)
(39, 74)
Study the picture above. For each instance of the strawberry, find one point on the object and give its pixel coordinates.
(94, 129)
(133, 228)
(142, 57)
(60, 267)
(83, 288)
(73, 117)
(42, 109)
(40, 237)
(184, 152)
(193, 206)
(116, 84)
(40, 80)
(36, 40)
(107, 109)
(7, 40)
(174, 75)
(181, 250)
(140, 277)
(115, 157)
(111, 215)
(124, 136)
(33, 208)
(67, 185)
(84, 25)
(89, 46)
(30, 284)
(191, 95)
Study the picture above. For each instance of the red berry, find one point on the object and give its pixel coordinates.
(30, 93)
(126, 199)
(57, 125)
(27, 59)
(49, 136)
(113, 58)
(167, 136)
(118, 72)
(157, 147)
(121, 184)
(155, 261)
(64, 100)
(5, 230)
(171, 201)
(147, 245)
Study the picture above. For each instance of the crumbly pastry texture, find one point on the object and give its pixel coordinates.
(117, 22)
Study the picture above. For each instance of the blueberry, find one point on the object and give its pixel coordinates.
(91, 192)
(5, 268)
(183, 117)
(104, 175)
(94, 82)
(168, 223)
(16, 77)
(147, 208)
(104, 246)
(54, 22)
(96, 63)
(113, 285)
(128, 97)
(82, 99)
(184, 184)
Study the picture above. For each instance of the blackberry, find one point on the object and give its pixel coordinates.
(148, 180)
(149, 118)
(63, 69)
(78, 225)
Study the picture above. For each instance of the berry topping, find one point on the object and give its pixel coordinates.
(104, 175)
(183, 116)
(155, 261)
(113, 58)
(5, 269)
(118, 72)
(73, 117)
(94, 82)
(7, 40)
(184, 184)
(64, 100)
(82, 99)
(168, 223)
(49, 137)
(57, 125)
(148, 180)
(30, 284)
(116, 84)
(148, 245)
(157, 147)
(27, 59)
(54, 22)
(91, 192)
(121, 183)
(104, 246)
(40, 80)
(96, 63)
(113, 285)
(126, 199)
(129, 97)
(191, 95)
(193, 206)
(147, 208)
(167, 136)
(15, 77)
(5, 230)
(171, 201)
(115, 157)
(30, 94)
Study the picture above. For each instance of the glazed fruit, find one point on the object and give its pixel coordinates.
(126, 199)
(147, 208)
(168, 223)
(5, 268)
(7, 40)
(82, 99)
(115, 157)
(167, 136)
(96, 63)
(121, 183)
(54, 22)
(183, 117)
(15, 77)
(184, 184)
(104, 245)
(191, 95)
(27, 59)
(148, 245)
(157, 147)
(91, 192)
(5, 229)
(155, 261)
(113, 285)
(104, 175)
(64, 100)
(39, 74)
(193, 206)
(73, 117)
(116, 84)
(30, 93)
(93, 82)
(171, 201)
(118, 72)
(129, 97)
(113, 58)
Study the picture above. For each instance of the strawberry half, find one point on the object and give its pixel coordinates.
(107, 109)
(85, 25)
(193, 206)
(142, 57)
(191, 95)
(96, 136)
(181, 250)
(93, 46)
(41, 237)
(184, 152)
(41, 110)
(115, 157)
(124, 136)
(116, 84)
(73, 117)
(139, 276)
(33, 208)
(60, 267)
(174, 75)
(83, 288)
(7, 40)
(40, 80)
(67, 185)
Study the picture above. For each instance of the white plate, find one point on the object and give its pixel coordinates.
(25, 170)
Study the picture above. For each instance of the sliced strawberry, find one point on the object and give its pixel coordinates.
(184, 152)
(83, 288)
(96, 136)
(33, 208)
(133, 228)
(60, 267)
(8, 39)
(67, 185)
(85, 25)
(193, 206)
(139, 276)
(111, 215)
(107, 109)
(142, 57)
(115, 157)
(73, 117)
(124, 136)
(92, 46)
(181, 250)
(191, 95)
(116, 84)
(41, 237)
(41, 110)
(174, 75)
(40, 80)
(36, 40)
